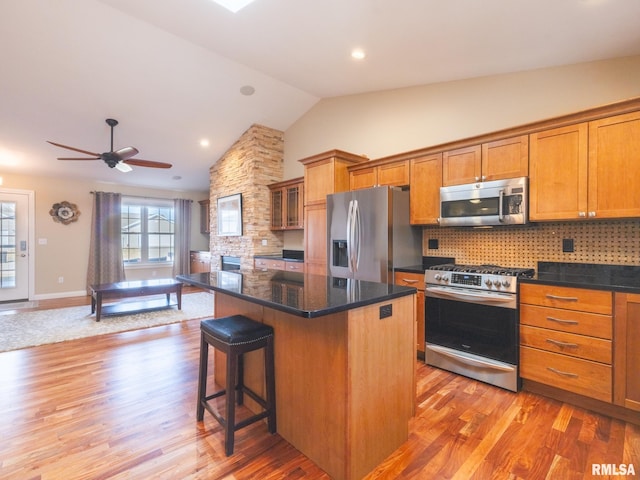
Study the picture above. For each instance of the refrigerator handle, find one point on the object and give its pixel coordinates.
(356, 234)
(350, 235)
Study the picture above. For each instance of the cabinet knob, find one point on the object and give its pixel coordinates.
(592, 214)
(582, 214)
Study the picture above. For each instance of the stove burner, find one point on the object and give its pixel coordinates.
(485, 269)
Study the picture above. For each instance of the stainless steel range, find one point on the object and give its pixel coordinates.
(472, 321)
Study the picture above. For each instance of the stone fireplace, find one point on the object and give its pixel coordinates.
(254, 161)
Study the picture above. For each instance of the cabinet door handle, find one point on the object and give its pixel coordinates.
(562, 344)
(564, 374)
(565, 299)
(564, 322)
(409, 280)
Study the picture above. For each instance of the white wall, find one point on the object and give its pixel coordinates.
(385, 123)
(66, 252)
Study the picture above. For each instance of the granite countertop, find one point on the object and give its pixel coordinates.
(426, 263)
(304, 295)
(619, 278)
(287, 255)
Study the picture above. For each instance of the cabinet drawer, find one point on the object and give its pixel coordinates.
(294, 266)
(409, 279)
(579, 346)
(592, 324)
(583, 377)
(594, 301)
(266, 263)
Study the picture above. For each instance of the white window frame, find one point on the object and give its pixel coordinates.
(144, 246)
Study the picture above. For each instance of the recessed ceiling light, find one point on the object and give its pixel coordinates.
(358, 54)
(233, 5)
(247, 90)
(204, 143)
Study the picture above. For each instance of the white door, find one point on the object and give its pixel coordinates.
(14, 246)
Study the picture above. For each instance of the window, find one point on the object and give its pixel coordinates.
(147, 231)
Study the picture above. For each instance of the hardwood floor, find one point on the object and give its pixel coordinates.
(122, 406)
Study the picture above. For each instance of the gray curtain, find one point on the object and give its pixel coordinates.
(182, 236)
(105, 251)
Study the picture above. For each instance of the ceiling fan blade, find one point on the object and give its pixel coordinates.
(60, 158)
(74, 149)
(147, 163)
(126, 152)
(123, 167)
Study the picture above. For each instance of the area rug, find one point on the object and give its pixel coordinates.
(28, 329)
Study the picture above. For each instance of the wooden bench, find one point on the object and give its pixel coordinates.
(136, 288)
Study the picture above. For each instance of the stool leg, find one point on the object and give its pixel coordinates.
(229, 428)
(270, 380)
(202, 377)
(240, 383)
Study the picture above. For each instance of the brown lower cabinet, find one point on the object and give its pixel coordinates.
(582, 346)
(626, 381)
(199, 262)
(410, 279)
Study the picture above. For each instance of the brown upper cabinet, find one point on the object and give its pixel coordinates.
(424, 194)
(287, 204)
(395, 174)
(588, 170)
(505, 158)
(324, 174)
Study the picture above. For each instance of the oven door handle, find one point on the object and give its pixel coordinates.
(447, 352)
(477, 298)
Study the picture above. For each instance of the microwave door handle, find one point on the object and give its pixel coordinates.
(500, 205)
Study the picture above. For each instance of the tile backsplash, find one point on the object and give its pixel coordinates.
(609, 242)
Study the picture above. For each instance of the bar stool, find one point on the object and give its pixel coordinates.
(236, 335)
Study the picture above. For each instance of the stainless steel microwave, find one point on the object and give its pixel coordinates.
(498, 202)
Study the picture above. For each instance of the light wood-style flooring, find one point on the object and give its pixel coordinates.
(122, 406)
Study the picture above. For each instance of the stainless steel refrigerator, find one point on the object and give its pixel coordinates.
(369, 234)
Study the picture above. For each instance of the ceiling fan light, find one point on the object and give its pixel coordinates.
(123, 167)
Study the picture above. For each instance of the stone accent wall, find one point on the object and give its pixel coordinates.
(253, 162)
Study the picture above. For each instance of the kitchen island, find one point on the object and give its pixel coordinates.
(344, 360)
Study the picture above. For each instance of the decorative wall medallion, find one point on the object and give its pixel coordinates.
(64, 212)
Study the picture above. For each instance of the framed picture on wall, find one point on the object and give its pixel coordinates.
(230, 215)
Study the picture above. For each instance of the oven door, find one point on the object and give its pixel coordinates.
(474, 322)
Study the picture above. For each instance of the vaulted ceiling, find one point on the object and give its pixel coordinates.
(173, 72)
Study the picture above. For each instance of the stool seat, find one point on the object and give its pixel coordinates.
(236, 329)
(236, 335)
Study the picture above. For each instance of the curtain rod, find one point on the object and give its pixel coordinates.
(140, 196)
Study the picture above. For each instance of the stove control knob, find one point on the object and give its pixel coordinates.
(488, 282)
(506, 283)
(445, 279)
(497, 283)
(437, 276)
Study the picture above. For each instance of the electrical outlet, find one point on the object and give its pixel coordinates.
(264, 242)
(60, 279)
(433, 244)
(567, 245)
(386, 311)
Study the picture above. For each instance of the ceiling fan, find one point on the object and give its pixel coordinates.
(120, 159)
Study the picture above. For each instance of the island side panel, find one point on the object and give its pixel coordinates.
(311, 386)
(382, 381)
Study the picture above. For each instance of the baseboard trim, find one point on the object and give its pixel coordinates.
(50, 296)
